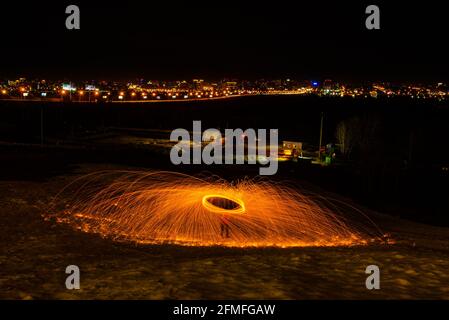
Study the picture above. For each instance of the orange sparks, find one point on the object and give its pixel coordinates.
(168, 207)
(223, 204)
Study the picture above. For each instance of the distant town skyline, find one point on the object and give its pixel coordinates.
(196, 89)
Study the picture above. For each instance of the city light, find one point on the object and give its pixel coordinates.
(201, 89)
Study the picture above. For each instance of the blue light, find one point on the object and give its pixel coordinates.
(315, 83)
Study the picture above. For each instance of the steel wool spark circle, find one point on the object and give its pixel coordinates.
(167, 207)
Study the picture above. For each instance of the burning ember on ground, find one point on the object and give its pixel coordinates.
(167, 207)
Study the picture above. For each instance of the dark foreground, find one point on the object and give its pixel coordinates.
(34, 254)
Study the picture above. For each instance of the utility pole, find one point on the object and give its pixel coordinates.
(321, 136)
(70, 91)
(42, 125)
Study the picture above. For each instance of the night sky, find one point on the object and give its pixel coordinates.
(125, 40)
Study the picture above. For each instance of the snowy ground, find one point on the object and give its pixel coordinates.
(34, 254)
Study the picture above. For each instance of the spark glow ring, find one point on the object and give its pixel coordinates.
(240, 209)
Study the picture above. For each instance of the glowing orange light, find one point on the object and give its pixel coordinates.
(168, 207)
(208, 203)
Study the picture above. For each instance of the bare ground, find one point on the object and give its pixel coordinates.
(34, 254)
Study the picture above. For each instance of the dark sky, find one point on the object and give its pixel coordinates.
(215, 39)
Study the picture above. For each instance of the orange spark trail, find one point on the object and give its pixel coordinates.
(168, 207)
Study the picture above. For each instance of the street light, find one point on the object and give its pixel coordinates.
(80, 94)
